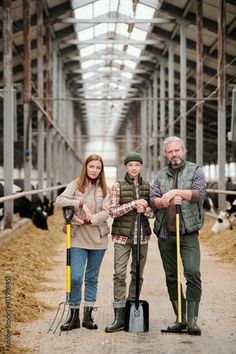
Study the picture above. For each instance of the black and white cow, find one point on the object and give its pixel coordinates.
(31, 209)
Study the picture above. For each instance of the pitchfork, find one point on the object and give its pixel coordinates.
(68, 212)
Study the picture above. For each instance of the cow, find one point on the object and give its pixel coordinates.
(225, 221)
(27, 209)
(211, 199)
(46, 205)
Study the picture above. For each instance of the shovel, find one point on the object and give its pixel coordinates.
(68, 212)
(179, 315)
(137, 311)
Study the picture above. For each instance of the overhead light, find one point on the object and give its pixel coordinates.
(125, 47)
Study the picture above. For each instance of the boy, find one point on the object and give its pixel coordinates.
(128, 197)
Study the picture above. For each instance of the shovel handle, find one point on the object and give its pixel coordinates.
(138, 255)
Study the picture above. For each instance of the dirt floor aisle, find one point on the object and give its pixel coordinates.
(217, 314)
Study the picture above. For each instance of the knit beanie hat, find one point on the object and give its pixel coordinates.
(133, 156)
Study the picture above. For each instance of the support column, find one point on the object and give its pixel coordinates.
(150, 130)
(221, 99)
(171, 88)
(41, 147)
(144, 128)
(8, 109)
(155, 122)
(27, 96)
(199, 86)
(162, 109)
(183, 81)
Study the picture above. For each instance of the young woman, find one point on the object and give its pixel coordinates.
(90, 197)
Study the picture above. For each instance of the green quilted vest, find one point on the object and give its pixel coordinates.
(192, 213)
(124, 225)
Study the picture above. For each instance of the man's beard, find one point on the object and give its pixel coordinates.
(176, 163)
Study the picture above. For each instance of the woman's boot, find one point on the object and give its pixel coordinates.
(119, 321)
(193, 328)
(88, 319)
(73, 320)
(176, 326)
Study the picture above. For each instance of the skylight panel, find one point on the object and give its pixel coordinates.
(100, 7)
(113, 5)
(122, 29)
(143, 11)
(100, 29)
(87, 51)
(128, 75)
(84, 12)
(88, 63)
(126, 7)
(86, 34)
(87, 75)
(99, 47)
(130, 64)
(138, 34)
(96, 86)
(136, 52)
(118, 47)
(111, 27)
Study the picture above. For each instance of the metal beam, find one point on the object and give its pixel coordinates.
(113, 42)
(125, 20)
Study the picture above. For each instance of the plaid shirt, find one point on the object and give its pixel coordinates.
(116, 210)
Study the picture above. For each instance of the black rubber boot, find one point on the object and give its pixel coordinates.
(119, 321)
(176, 327)
(72, 322)
(88, 319)
(193, 328)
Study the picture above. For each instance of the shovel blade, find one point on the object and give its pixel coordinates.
(137, 316)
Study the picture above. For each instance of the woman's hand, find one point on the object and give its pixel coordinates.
(88, 213)
(76, 221)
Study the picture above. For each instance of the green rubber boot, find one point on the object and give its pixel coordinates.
(176, 326)
(193, 328)
(119, 321)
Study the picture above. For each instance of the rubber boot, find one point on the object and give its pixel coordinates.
(119, 321)
(72, 322)
(88, 319)
(176, 326)
(193, 328)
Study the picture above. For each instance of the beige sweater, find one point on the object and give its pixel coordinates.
(94, 235)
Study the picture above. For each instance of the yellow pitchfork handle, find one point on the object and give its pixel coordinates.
(68, 212)
(178, 267)
(68, 261)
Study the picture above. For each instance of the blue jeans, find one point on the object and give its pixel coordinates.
(88, 262)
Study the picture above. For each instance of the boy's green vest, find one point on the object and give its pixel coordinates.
(192, 213)
(124, 225)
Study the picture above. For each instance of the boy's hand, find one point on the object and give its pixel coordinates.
(141, 209)
(141, 202)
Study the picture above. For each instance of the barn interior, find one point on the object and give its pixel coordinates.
(111, 76)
